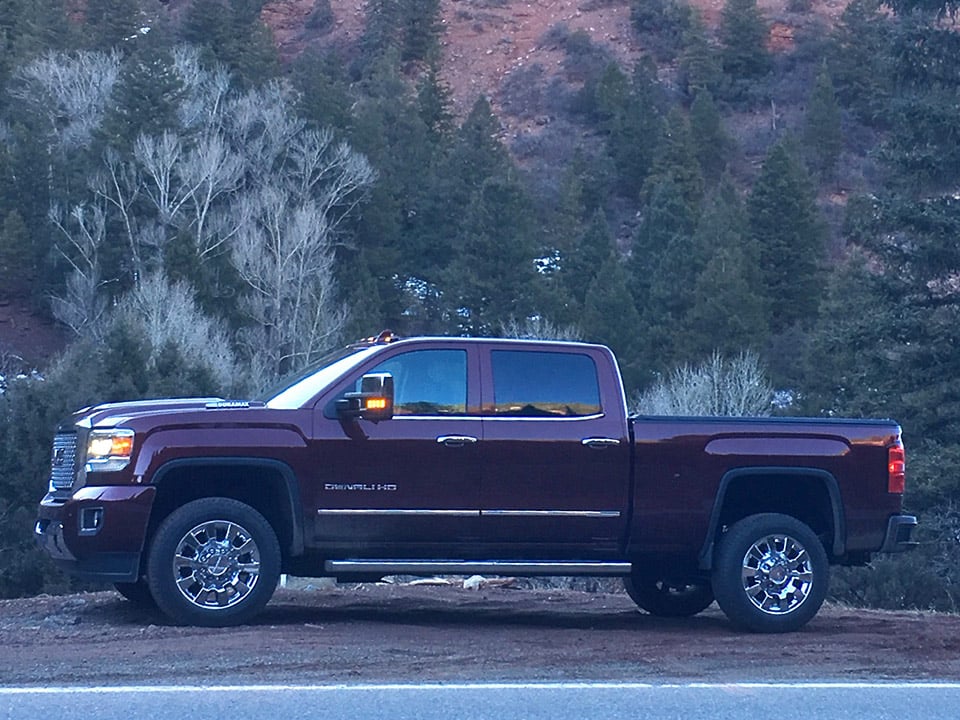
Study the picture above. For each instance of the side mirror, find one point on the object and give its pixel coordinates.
(374, 402)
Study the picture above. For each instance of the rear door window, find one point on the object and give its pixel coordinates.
(544, 384)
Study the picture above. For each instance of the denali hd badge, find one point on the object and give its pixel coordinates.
(361, 487)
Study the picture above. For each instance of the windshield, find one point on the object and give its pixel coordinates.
(295, 390)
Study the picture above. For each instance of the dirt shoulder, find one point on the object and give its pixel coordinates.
(374, 633)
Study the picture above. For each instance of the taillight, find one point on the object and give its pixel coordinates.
(896, 469)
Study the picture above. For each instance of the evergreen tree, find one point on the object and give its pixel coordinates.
(711, 144)
(786, 225)
(421, 29)
(699, 64)
(112, 24)
(146, 96)
(822, 135)
(492, 278)
(727, 312)
(583, 261)
(862, 57)
(324, 90)
(231, 32)
(743, 40)
(610, 317)
(17, 254)
(676, 160)
(629, 116)
(434, 101)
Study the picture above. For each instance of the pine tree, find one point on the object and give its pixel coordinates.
(421, 30)
(862, 55)
(434, 101)
(610, 317)
(629, 116)
(17, 254)
(146, 97)
(676, 160)
(743, 40)
(112, 24)
(582, 263)
(822, 135)
(787, 226)
(711, 144)
(699, 63)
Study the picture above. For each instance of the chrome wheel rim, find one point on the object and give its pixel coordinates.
(777, 574)
(216, 565)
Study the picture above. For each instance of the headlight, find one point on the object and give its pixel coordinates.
(109, 450)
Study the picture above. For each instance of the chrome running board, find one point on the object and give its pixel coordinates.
(472, 567)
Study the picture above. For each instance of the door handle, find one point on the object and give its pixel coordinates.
(599, 443)
(456, 440)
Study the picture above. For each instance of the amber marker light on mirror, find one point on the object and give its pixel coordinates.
(896, 469)
(376, 403)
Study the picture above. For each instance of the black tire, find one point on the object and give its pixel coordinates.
(213, 562)
(668, 598)
(770, 573)
(137, 593)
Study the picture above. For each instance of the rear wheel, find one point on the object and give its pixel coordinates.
(213, 562)
(770, 573)
(668, 597)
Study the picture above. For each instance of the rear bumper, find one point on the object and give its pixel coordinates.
(98, 533)
(899, 534)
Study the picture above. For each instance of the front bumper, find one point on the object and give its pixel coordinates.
(899, 533)
(98, 533)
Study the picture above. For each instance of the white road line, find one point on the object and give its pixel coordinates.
(553, 686)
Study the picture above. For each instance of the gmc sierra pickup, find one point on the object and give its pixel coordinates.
(430, 456)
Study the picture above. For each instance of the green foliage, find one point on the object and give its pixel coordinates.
(861, 68)
(17, 258)
(743, 46)
(232, 33)
(662, 25)
(823, 137)
(786, 225)
(610, 317)
(711, 144)
(111, 24)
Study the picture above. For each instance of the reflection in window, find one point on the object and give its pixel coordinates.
(428, 382)
(544, 384)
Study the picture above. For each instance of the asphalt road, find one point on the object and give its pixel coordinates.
(503, 701)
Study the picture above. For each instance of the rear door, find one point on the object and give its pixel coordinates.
(555, 453)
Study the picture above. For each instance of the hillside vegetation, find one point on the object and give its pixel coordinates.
(203, 209)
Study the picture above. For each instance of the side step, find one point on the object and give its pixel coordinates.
(472, 567)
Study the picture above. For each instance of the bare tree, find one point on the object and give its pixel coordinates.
(168, 314)
(717, 387)
(285, 255)
(82, 308)
(69, 91)
(538, 327)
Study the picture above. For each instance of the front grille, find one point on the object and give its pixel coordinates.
(63, 463)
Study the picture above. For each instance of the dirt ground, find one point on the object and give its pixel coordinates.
(377, 633)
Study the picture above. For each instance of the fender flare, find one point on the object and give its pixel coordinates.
(829, 482)
(292, 495)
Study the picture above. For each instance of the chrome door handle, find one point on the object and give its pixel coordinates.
(600, 443)
(456, 440)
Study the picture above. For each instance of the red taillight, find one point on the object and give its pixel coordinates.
(896, 469)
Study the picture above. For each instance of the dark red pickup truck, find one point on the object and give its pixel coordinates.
(460, 456)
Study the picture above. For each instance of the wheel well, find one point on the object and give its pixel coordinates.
(809, 496)
(266, 487)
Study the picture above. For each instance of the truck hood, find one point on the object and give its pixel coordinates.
(114, 414)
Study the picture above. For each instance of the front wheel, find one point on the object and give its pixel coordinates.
(213, 562)
(668, 598)
(770, 573)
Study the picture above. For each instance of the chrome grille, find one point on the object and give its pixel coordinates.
(63, 462)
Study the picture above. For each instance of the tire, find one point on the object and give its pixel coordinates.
(770, 573)
(137, 593)
(668, 598)
(213, 562)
